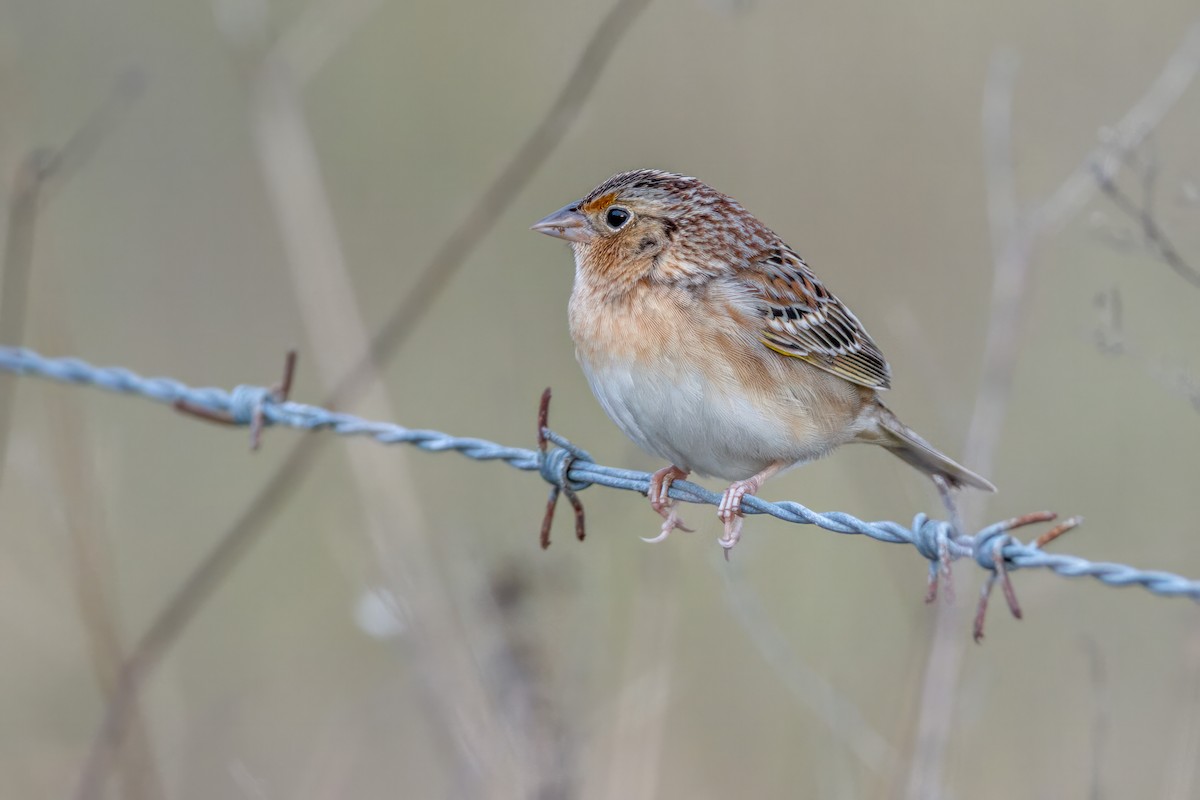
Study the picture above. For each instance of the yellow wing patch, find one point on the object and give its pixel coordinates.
(863, 373)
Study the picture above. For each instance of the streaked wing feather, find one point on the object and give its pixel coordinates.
(801, 319)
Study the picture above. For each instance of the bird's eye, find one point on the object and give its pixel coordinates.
(616, 217)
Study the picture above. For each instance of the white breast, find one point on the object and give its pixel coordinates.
(683, 417)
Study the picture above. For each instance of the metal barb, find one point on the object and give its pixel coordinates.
(981, 610)
(1027, 519)
(199, 412)
(543, 420)
(548, 517)
(577, 507)
(1010, 594)
(563, 483)
(1000, 566)
(1058, 530)
(278, 394)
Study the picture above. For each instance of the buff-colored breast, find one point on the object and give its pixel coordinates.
(682, 372)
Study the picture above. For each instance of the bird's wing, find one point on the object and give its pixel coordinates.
(801, 319)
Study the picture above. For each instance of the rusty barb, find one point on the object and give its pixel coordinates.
(996, 538)
(555, 466)
(944, 542)
(277, 394)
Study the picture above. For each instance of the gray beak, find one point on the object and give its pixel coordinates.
(566, 223)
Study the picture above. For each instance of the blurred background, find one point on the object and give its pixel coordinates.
(196, 187)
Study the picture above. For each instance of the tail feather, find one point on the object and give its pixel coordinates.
(903, 442)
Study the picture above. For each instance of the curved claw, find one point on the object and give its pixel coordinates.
(733, 531)
(670, 523)
(730, 512)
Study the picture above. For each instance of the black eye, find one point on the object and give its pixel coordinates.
(616, 217)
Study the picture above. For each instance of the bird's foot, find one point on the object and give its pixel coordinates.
(730, 511)
(661, 501)
(730, 508)
(660, 487)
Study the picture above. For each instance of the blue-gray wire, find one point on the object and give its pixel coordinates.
(929, 536)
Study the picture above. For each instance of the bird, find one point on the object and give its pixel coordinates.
(714, 346)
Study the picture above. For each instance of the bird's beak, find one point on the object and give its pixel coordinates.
(566, 223)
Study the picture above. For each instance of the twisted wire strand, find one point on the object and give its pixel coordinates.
(932, 538)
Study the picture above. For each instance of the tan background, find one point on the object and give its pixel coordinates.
(621, 669)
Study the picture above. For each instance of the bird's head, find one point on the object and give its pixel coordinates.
(654, 225)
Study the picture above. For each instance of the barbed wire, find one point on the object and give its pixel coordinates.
(570, 469)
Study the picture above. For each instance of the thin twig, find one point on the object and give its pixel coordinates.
(1010, 254)
(1014, 234)
(479, 221)
(38, 174)
(1182, 782)
(323, 282)
(199, 586)
(93, 580)
(43, 170)
(519, 652)
(1101, 711)
(298, 461)
(1153, 235)
(1077, 190)
(1112, 339)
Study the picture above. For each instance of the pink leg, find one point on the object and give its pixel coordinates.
(660, 501)
(730, 509)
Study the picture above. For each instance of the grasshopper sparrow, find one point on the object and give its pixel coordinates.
(712, 345)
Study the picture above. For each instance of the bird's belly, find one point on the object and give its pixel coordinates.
(711, 428)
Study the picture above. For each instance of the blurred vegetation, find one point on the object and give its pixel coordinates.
(280, 175)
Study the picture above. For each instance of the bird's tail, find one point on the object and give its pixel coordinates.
(903, 442)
